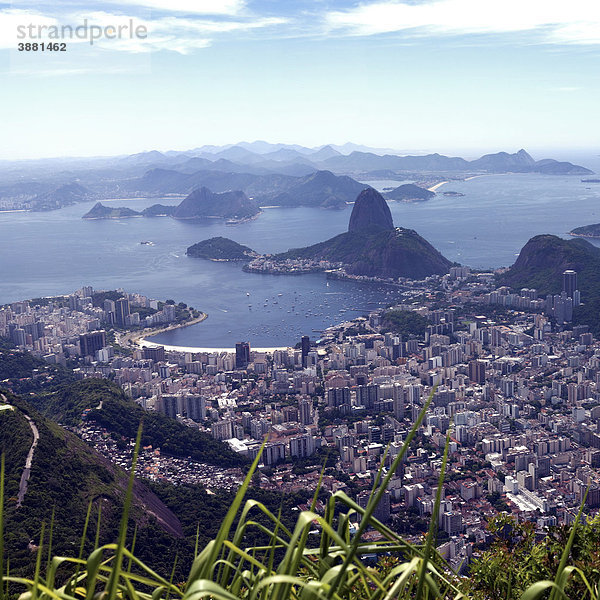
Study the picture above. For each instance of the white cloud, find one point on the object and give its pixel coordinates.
(11, 19)
(192, 7)
(176, 34)
(556, 21)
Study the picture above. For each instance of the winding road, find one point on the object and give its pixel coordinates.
(29, 460)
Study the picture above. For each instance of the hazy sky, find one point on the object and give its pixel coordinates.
(417, 75)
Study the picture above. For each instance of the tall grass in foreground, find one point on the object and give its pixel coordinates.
(320, 559)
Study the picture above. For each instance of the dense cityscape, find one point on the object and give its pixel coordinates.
(513, 379)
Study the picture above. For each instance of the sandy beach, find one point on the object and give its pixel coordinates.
(194, 350)
(436, 186)
(139, 339)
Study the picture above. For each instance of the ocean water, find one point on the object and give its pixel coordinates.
(58, 252)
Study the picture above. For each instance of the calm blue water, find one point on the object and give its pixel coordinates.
(58, 252)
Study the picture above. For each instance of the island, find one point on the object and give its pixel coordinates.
(159, 210)
(235, 206)
(221, 249)
(409, 192)
(99, 211)
(587, 231)
(590, 180)
(453, 194)
(204, 204)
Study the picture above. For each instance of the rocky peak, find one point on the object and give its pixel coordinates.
(370, 212)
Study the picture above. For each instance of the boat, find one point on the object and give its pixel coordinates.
(147, 243)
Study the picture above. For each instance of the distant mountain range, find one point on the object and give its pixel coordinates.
(287, 175)
(318, 189)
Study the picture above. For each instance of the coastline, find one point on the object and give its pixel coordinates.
(138, 338)
(584, 235)
(433, 188)
(196, 350)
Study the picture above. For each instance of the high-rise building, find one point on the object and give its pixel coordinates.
(338, 397)
(195, 407)
(242, 355)
(157, 353)
(90, 343)
(121, 311)
(302, 446)
(305, 411)
(382, 511)
(569, 282)
(477, 371)
(305, 343)
(222, 430)
(367, 395)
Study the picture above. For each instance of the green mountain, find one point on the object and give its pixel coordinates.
(65, 195)
(159, 210)
(220, 248)
(114, 411)
(373, 247)
(409, 191)
(543, 259)
(589, 231)
(203, 204)
(322, 188)
(99, 211)
(66, 476)
(541, 263)
(318, 188)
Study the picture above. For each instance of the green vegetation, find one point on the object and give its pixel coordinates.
(23, 373)
(66, 477)
(541, 263)
(315, 556)
(409, 191)
(318, 556)
(543, 259)
(220, 248)
(395, 253)
(121, 416)
(590, 231)
(406, 323)
(99, 211)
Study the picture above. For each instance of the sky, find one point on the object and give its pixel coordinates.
(452, 76)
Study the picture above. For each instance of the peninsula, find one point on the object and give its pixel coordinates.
(372, 247)
(587, 231)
